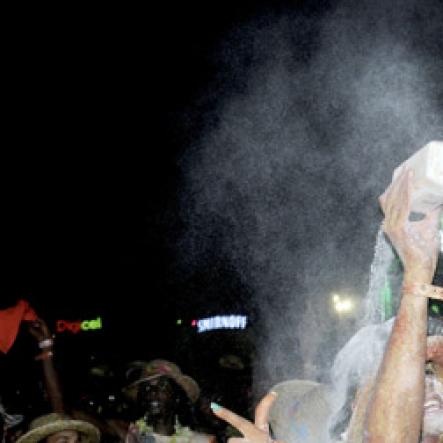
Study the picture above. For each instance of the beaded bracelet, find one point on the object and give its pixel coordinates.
(46, 343)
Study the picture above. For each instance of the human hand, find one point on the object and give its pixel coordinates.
(39, 330)
(416, 242)
(257, 432)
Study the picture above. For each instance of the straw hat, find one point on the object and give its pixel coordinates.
(300, 413)
(157, 368)
(46, 425)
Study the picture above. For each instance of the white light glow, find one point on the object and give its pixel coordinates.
(342, 305)
(222, 322)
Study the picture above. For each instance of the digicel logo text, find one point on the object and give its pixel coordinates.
(77, 326)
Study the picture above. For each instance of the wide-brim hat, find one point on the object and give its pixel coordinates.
(46, 425)
(158, 368)
(301, 411)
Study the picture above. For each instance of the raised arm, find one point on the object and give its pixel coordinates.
(396, 408)
(40, 331)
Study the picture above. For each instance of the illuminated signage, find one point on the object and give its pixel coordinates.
(220, 322)
(77, 326)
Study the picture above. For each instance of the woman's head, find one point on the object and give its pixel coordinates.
(66, 436)
(58, 428)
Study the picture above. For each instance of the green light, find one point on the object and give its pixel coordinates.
(179, 321)
(435, 309)
(386, 299)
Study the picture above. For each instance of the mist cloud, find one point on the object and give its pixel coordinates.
(305, 137)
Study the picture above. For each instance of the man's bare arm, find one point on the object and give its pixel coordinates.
(396, 408)
(39, 330)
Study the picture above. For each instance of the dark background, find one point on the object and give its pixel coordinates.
(96, 116)
(95, 125)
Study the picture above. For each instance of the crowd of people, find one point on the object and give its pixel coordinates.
(396, 396)
(156, 401)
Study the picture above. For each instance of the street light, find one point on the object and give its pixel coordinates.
(342, 305)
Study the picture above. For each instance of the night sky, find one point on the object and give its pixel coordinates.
(98, 112)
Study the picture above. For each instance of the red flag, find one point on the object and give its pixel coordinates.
(10, 320)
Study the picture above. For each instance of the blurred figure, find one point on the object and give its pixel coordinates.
(164, 396)
(7, 423)
(101, 402)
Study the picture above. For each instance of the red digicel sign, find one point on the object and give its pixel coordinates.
(77, 326)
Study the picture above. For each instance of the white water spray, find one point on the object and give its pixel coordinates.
(383, 256)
